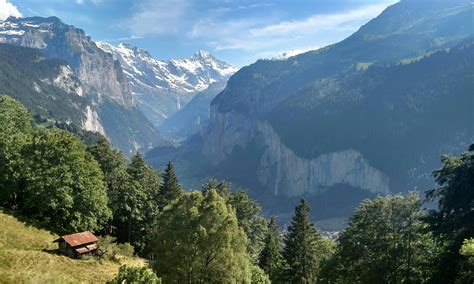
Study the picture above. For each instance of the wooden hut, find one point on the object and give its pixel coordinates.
(78, 245)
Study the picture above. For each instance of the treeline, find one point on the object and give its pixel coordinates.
(216, 234)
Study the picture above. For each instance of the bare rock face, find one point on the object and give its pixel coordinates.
(226, 131)
(92, 122)
(280, 169)
(283, 171)
(107, 105)
(66, 81)
(97, 70)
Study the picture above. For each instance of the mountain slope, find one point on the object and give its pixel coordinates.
(163, 87)
(340, 123)
(22, 259)
(194, 117)
(102, 82)
(45, 86)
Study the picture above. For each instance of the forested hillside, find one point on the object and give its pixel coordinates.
(215, 234)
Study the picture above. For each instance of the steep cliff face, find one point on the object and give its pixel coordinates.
(86, 71)
(279, 169)
(96, 69)
(371, 114)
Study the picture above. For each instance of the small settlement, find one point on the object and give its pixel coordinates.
(78, 245)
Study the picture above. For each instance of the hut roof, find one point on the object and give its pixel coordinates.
(79, 239)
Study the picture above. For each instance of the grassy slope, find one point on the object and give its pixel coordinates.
(23, 261)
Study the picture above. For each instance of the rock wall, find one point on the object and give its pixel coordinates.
(280, 170)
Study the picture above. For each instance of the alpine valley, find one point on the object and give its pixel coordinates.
(59, 73)
(367, 116)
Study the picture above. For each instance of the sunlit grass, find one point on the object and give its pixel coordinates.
(23, 261)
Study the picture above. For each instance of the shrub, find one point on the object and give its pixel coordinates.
(135, 275)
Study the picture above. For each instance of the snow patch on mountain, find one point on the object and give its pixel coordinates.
(162, 87)
(179, 75)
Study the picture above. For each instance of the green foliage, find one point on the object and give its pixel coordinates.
(304, 248)
(137, 201)
(247, 211)
(198, 239)
(135, 275)
(270, 258)
(386, 242)
(63, 183)
(171, 189)
(466, 274)
(259, 276)
(23, 259)
(110, 250)
(248, 217)
(453, 222)
(15, 132)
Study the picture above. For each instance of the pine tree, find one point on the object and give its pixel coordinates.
(301, 247)
(270, 259)
(171, 189)
(113, 164)
(140, 204)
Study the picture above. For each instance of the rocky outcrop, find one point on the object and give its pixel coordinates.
(66, 81)
(97, 70)
(100, 100)
(92, 121)
(226, 131)
(280, 170)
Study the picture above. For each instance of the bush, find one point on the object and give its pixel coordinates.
(259, 276)
(135, 275)
(109, 249)
(466, 274)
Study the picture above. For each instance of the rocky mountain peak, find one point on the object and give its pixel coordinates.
(97, 70)
(202, 54)
(167, 85)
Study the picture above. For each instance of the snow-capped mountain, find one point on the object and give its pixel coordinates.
(163, 87)
(93, 87)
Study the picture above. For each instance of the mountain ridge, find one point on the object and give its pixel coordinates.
(103, 84)
(162, 87)
(269, 131)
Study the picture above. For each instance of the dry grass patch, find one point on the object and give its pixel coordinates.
(23, 261)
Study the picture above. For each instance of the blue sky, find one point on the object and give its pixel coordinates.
(238, 32)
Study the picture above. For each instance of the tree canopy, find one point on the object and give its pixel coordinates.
(64, 184)
(453, 221)
(302, 250)
(198, 239)
(386, 242)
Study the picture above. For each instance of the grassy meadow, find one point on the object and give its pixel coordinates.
(22, 259)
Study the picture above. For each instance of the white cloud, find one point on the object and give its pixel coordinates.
(317, 23)
(8, 9)
(95, 2)
(257, 35)
(158, 17)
